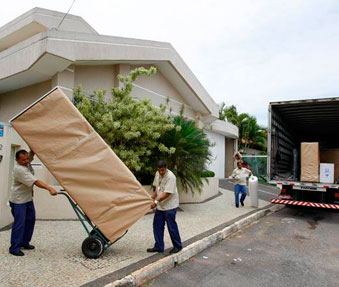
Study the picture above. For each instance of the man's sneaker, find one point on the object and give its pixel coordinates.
(19, 253)
(154, 250)
(237, 205)
(175, 250)
(242, 203)
(28, 247)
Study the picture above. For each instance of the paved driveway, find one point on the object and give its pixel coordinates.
(58, 261)
(293, 247)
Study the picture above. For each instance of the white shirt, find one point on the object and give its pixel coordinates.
(240, 175)
(168, 184)
(23, 181)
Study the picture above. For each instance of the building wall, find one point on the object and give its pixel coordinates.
(218, 153)
(14, 102)
(11, 104)
(9, 143)
(158, 89)
(93, 78)
(103, 77)
(229, 161)
(159, 84)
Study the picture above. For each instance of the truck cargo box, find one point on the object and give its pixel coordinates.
(294, 122)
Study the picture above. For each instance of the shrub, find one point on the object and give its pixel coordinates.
(131, 127)
(207, 173)
(191, 154)
(141, 134)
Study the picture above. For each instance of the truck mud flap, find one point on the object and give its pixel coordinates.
(305, 203)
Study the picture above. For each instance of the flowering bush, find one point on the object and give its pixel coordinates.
(131, 127)
(141, 134)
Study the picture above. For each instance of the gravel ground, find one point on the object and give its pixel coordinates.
(58, 260)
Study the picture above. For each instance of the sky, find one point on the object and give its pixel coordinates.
(245, 53)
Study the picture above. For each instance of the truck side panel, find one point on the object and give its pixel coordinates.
(281, 145)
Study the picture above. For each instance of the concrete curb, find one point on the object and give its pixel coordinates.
(153, 270)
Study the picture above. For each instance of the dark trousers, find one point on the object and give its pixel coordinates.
(237, 190)
(23, 226)
(159, 220)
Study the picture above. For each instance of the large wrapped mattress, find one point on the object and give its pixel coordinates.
(84, 165)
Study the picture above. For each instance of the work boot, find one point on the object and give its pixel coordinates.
(19, 253)
(28, 247)
(175, 250)
(154, 250)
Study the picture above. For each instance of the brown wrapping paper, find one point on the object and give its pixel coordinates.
(310, 162)
(84, 165)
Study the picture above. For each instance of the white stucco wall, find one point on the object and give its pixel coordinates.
(10, 142)
(218, 153)
(93, 78)
(158, 89)
(14, 102)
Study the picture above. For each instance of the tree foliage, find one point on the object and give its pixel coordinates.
(131, 127)
(251, 135)
(141, 134)
(191, 154)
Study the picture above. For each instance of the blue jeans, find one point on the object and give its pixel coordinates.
(237, 190)
(23, 226)
(160, 217)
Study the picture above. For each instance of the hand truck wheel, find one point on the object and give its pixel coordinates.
(92, 247)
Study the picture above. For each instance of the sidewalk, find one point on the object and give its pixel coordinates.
(58, 260)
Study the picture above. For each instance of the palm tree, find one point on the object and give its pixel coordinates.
(251, 135)
(229, 114)
(191, 155)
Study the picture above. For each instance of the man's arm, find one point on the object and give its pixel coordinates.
(234, 174)
(168, 190)
(154, 193)
(162, 197)
(237, 154)
(43, 185)
(250, 173)
(154, 186)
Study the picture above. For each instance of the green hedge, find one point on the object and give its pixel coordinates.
(207, 173)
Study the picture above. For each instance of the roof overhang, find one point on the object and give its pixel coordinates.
(40, 57)
(38, 20)
(225, 128)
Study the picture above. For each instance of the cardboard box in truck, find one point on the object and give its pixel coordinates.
(331, 156)
(310, 161)
(327, 172)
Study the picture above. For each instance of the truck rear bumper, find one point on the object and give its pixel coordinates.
(305, 203)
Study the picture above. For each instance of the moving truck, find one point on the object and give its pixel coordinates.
(303, 140)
